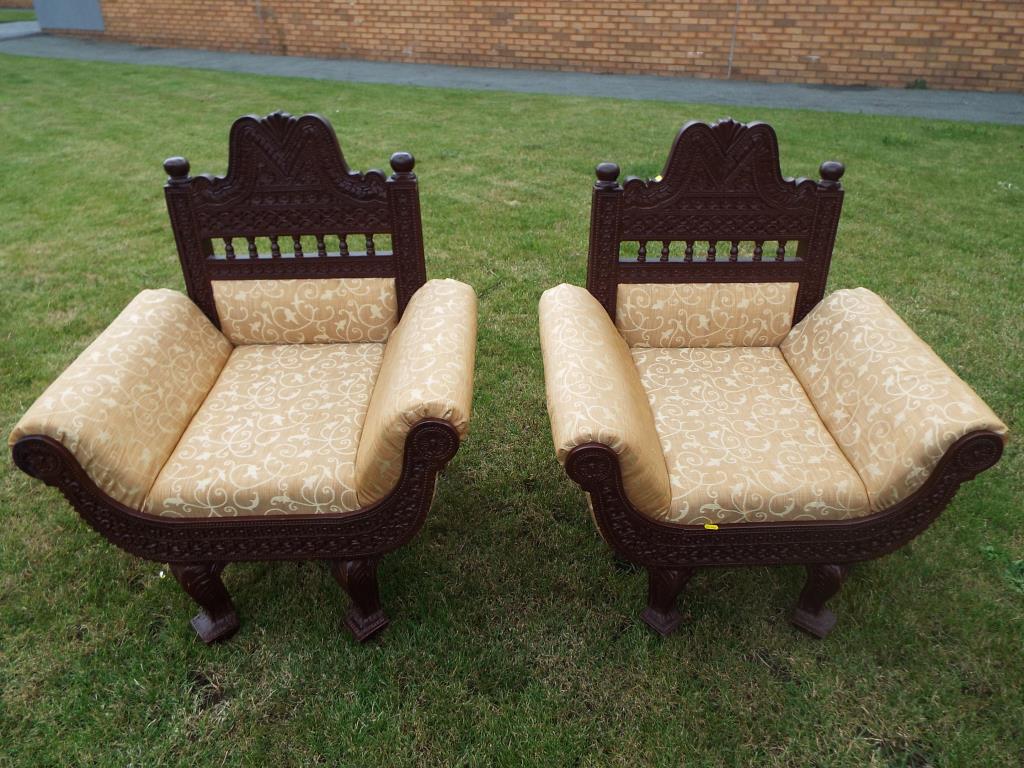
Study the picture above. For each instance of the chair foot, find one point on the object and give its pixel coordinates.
(201, 581)
(811, 614)
(365, 617)
(663, 587)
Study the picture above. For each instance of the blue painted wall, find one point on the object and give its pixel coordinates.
(69, 14)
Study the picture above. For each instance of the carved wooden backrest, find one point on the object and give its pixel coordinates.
(288, 184)
(720, 212)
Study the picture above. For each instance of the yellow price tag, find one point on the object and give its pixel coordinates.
(710, 527)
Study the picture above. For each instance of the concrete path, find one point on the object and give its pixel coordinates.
(947, 105)
(13, 29)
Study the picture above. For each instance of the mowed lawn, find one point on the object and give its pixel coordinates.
(514, 636)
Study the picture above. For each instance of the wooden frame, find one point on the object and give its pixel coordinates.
(286, 176)
(722, 182)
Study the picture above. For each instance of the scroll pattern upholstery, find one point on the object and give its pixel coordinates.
(307, 311)
(890, 403)
(121, 407)
(594, 394)
(277, 435)
(742, 441)
(705, 314)
(427, 372)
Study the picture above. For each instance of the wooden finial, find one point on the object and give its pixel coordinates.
(177, 169)
(607, 174)
(831, 172)
(403, 162)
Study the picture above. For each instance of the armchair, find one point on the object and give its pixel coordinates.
(296, 405)
(717, 410)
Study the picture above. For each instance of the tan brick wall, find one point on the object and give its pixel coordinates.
(969, 44)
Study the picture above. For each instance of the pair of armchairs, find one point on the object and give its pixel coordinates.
(300, 402)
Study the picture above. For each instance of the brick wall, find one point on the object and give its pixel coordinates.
(969, 44)
(15, 3)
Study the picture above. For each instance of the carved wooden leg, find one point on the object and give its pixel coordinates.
(217, 620)
(811, 614)
(663, 587)
(365, 617)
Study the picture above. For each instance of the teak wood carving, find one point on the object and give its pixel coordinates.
(286, 178)
(722, 184)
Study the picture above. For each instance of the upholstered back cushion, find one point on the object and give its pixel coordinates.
(889, 401)
(427, 373)
(121, 407)
(308, 311)
(594, 394)
(705, 314)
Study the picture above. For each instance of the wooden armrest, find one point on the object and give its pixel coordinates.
(122, 405)
(427, 373)
(889, 401)
(594, 394)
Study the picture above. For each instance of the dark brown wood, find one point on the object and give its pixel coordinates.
(287, 177)
(365, 617)
(721, 183)
(811, 614)
(217, 620)
(653, 544)
(663, 588)
(369, 532)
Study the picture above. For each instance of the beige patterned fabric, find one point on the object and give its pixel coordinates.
(705, 314)
(595, 395)
(741, 440)
(892, 405)
(277, 435)
(308, 311)
(427, 373)
(122, 405)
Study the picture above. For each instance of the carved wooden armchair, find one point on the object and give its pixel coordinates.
(717, 410)
(297, 405)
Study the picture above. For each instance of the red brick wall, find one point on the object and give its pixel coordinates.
(15, 3)
(972, 44)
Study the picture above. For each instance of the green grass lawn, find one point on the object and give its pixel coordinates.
(514, 636)
(16, 14)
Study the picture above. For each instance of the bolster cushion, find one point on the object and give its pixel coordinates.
(594, 394)
(705, 314)
(427, 372)
(121, 407)
(891, 404)
(306, 311)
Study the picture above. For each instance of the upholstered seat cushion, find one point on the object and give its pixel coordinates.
(277, 435)
(741, 440)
